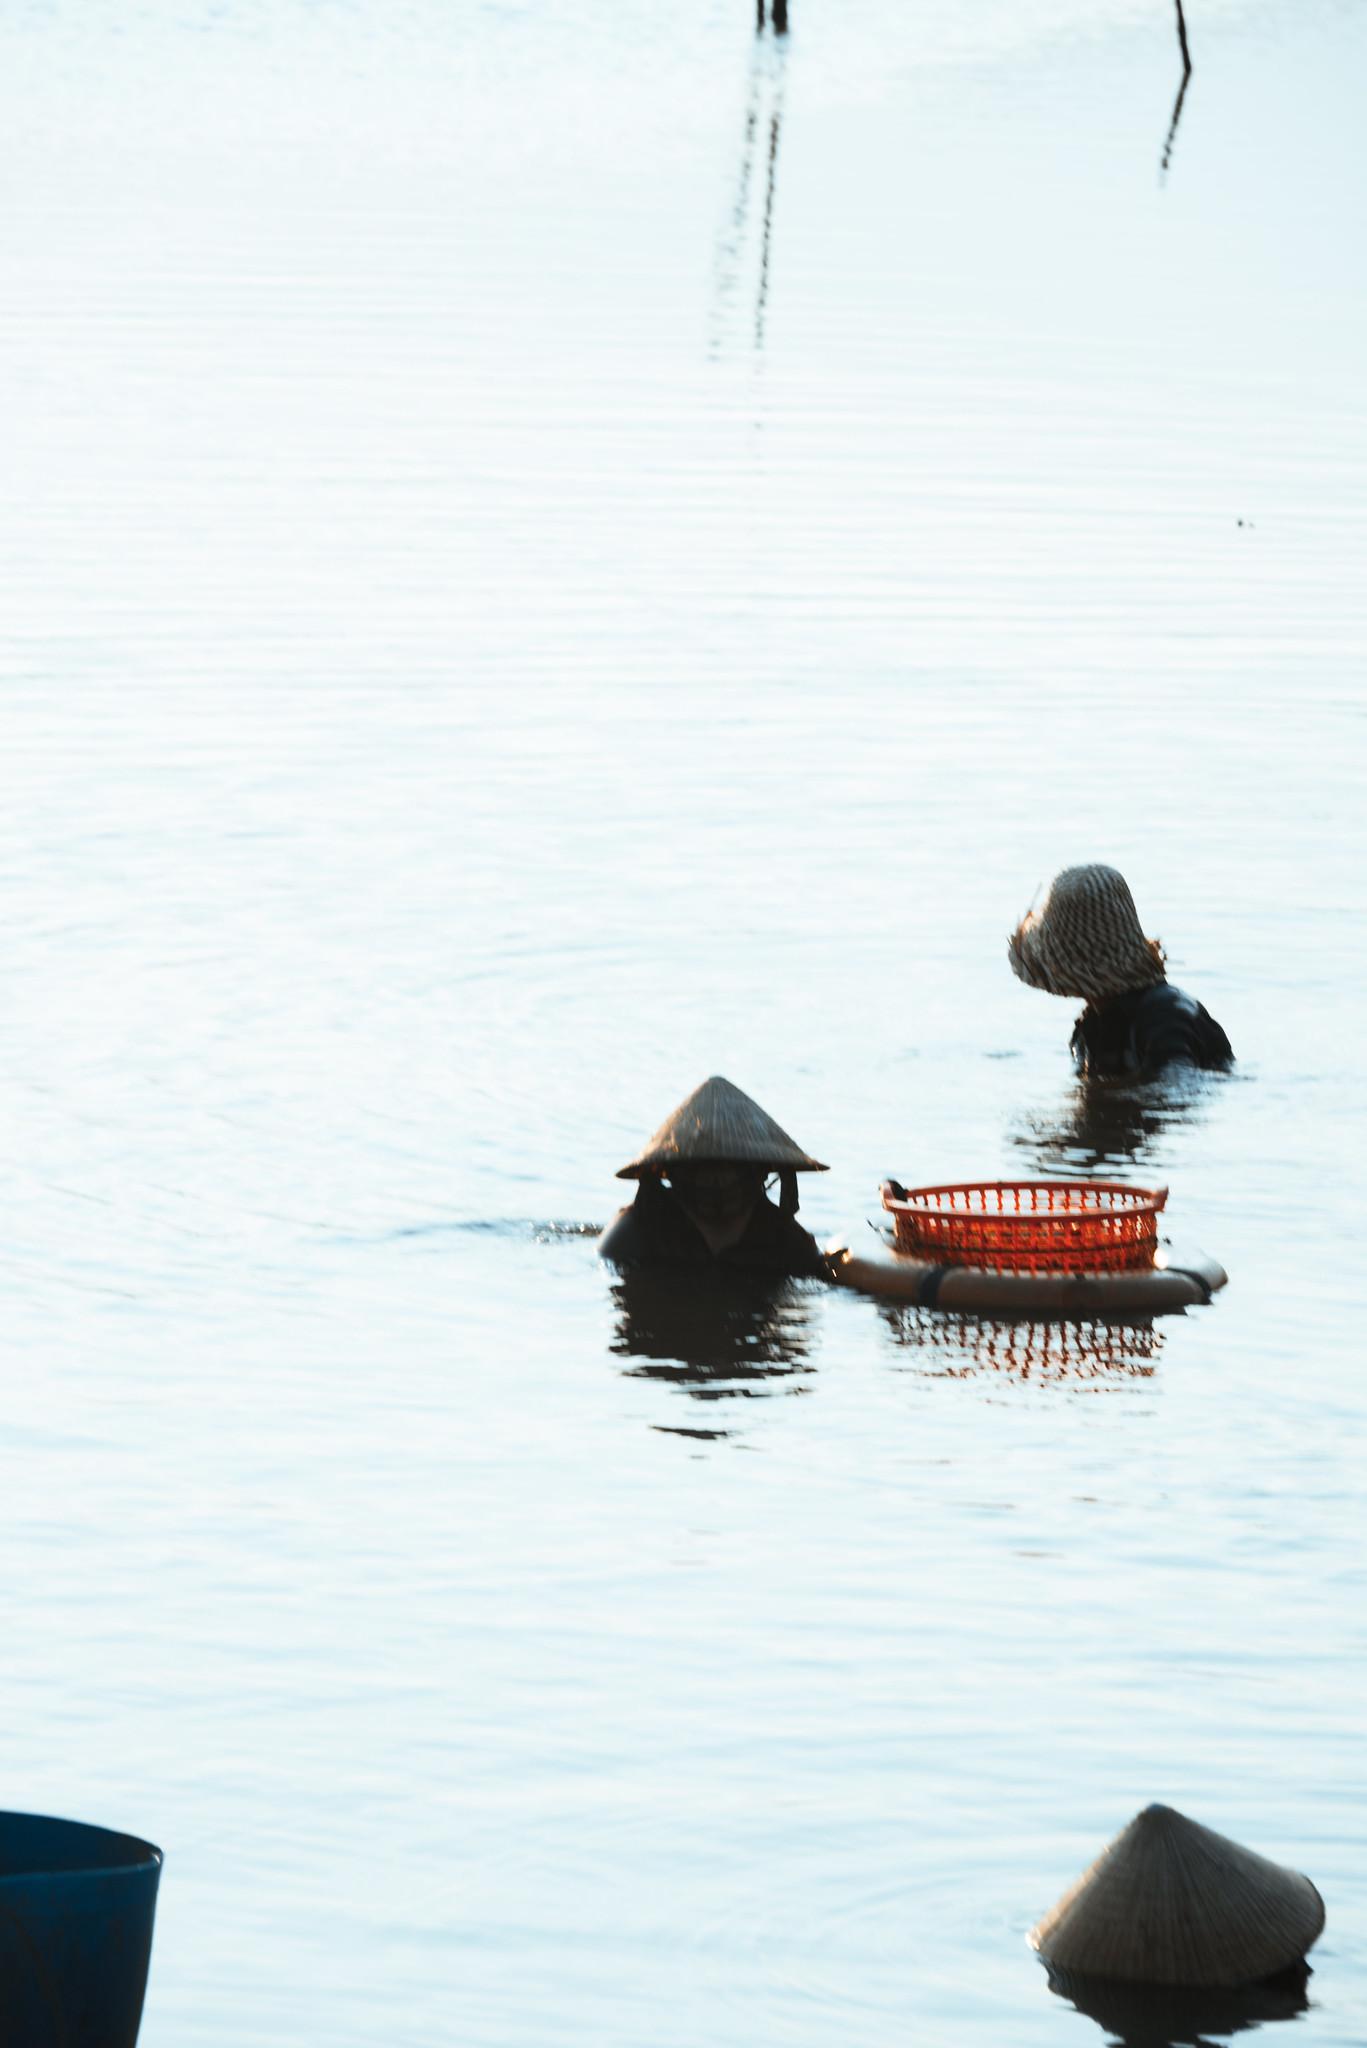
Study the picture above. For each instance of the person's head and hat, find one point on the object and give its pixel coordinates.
(701, 1191)
(1086, 941)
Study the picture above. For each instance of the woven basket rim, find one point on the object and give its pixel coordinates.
(917, 1201)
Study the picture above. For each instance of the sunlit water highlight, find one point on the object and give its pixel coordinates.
(548, 554)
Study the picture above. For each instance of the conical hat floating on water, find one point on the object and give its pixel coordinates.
(1172, 1902)
(719, 1124)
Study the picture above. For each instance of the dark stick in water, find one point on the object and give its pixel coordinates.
(1181, 90)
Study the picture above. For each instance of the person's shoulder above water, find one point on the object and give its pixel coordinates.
(630, 1239)
(1146, 1031)
(653, 1230)
(657, 1230)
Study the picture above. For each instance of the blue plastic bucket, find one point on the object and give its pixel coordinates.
(76, 1911)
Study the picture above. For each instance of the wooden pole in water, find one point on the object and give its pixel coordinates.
(1181, 90)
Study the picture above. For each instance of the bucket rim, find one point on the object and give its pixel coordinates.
(125, 1852)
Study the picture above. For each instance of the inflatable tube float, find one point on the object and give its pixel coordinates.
(871, 1263)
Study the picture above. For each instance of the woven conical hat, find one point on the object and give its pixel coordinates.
(719, 1124)
(1171, 1902)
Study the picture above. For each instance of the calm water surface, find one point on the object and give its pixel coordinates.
(548, 553)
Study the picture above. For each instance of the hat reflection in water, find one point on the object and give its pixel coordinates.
(1183, 2016)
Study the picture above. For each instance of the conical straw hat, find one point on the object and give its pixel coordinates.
(1171, 1902)
(719, 1124)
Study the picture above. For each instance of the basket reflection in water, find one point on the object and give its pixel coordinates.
(1019, 1348)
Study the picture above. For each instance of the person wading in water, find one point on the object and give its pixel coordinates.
(1087, 941)
(701, 1200)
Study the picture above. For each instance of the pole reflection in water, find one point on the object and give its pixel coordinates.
(715, 1336)
(763, 118)
(1099, 1127)
(767, 231)
(1181, 90)
(1019, 1348)
(1169, 2016)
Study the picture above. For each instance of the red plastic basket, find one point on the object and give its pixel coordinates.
(1029, 1226)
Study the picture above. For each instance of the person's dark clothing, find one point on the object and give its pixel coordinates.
(656, 1231)
(1146, 1030)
